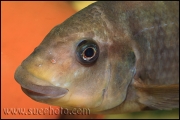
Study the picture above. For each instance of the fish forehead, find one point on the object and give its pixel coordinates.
(104, 21)
(86, 23)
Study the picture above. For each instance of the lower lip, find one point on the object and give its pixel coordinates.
(29, 92)
(36, 96)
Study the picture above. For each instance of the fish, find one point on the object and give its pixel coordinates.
(110, 57)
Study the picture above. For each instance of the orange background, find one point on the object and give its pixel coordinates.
(24, 25)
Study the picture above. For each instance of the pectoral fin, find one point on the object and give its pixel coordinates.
(163, 97)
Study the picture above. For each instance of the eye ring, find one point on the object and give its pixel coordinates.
(87, 52)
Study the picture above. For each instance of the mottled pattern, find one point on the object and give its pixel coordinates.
(156, 32)
(154, 28)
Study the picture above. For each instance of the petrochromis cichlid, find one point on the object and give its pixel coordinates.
(110, 57)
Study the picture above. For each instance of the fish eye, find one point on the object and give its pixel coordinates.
(87, 51)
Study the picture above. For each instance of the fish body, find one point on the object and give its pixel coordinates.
(111, 57)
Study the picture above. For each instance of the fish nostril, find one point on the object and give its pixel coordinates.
(53, 61)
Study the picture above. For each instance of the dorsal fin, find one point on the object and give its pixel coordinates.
(163, 97)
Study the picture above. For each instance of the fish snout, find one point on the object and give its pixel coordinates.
(35, 88)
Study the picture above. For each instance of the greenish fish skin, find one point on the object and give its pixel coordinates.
(137, 67)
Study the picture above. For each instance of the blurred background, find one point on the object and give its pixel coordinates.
(24, 25)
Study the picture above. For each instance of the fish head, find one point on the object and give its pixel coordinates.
(79, 64)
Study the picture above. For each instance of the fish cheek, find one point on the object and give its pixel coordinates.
(87, 84)
(87, 94)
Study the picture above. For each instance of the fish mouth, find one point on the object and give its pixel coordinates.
(37, 88)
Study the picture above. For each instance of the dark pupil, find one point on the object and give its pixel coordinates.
(89, 52)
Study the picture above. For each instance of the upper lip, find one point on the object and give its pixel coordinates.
(25, 79)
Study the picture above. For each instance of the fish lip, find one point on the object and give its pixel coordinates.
(31, 88)
(38, 96)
